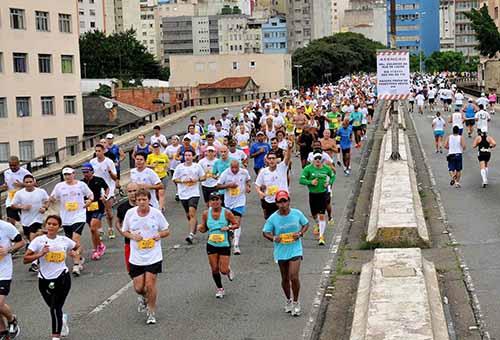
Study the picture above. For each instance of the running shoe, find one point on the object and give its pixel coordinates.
(76, 270)
(296, 310)
(65, 326)
(458, 185)
(288, 306)
(151, 320)
(4, 335)
(219, 294)
(237, 250)
(189, 239)
(111, 234)
(321, 241)
(34, 267)
(141, 304)
(338, 163)
(101, 249)
(230, 275)
(14, 329)
(82, 261)
(95, 255)
(485, 184)
(316, 229)
(177, 198)
(331, 221)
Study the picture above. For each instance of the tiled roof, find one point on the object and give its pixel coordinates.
(228, 83)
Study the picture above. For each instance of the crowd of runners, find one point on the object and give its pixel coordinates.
(455, 116)
(212, 169)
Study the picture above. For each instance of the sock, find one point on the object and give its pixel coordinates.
(487, 171)
(322, 227)
(217, 279)
(483, 175)
(237, 234)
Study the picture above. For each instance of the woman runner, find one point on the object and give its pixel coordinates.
(484, 143)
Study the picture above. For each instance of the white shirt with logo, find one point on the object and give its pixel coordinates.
(184, 172)
(72, 201)
(7, 234)
(235, 197)
(11, 178)
(36, 199)
(149, 177)
(53, 264)
(273, 181)
(101, 169)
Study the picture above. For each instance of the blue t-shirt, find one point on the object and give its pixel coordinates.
(259, 159)
(292, 223)
(345, 137)
(221, 165)
(115, 150)
(469, 112)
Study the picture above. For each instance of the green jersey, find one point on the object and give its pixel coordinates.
(325, 175)
(333, 120)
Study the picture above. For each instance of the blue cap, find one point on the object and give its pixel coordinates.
(87, 166)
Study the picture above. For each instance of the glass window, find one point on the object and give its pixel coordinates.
(48, 106)
(23, 106)
(3, 107)
(1, 62)
(4, 152)
(70, 104)
(49, 146)
(67, 64)
(65, 23)
(42, 21)
(44, 63)
(71, 145)
(26, 150)
(17, 19)
(20, 62)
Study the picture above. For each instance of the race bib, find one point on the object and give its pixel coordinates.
(94, 206)
(356, 123)
(243, 144)
(272, 190)
(287, 238)
(234, 191)
(147, 243)
(209, 174)
(71, 206)
(298, 130)
(11, 194)
(55, 256)
(217, 238)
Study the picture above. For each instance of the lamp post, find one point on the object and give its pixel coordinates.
(420, 16)
(298, 67)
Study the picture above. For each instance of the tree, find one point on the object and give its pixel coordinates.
(486, 31)
(450, 61)
(335, 56)
(119, 55)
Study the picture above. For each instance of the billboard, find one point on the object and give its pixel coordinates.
(393, 74)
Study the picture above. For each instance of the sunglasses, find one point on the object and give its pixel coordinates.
(282, 201)
(215, 199)
(317, 158)
(86, 171)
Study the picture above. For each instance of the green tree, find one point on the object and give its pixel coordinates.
(449, 61)
(335, 55)
(119, 55)
(486, 31)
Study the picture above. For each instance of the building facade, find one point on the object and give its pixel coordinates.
(465, 36)
(239, 34)
(149, 32)
(41, 108)
(91, 15)
(337, 13)
(447, 25)
(299, 22)
(275, 35)
(493, 9)
(367, 17)
(190, 70)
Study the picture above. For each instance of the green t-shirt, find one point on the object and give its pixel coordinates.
(333, 122)
(324, 175)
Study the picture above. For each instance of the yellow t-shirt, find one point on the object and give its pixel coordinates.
(159, 163)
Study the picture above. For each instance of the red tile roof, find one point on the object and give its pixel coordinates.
(228, 83)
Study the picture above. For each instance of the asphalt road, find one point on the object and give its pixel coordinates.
(473, 215)
(102, 303)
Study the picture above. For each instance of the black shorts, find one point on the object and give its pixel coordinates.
(484, 156)
(431, 100)
(94, 215)
(268, 208)
(448, 101)
(292, 259)
(33, 228)
(370, 112)
(346, 151)
(136, 270)
(191, 202)
(206, 191)
(74, 228)
(318, 202)
(5, 287)
(356, 128)
(13, 213)
(223, 251)
(470, 122)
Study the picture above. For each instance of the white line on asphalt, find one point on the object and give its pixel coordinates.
(112, 298)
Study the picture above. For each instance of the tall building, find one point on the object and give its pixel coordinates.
(322, 18)
(417, 24)
(447, 25)
(91, 15)
(238, 35)
(215, 7)
(149, 31)
(465, 36)
(493, 8)
(299, 23)
(275, 35)
(128, 15)
(41, 108)
(274, 6)
(367, 17)
(338, 9)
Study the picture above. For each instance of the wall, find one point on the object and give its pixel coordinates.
(143, 97)
(447, 25)
(492, 75)
(86, 19)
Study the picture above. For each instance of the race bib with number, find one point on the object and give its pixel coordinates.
(55, 256)
(272, 190)
(71, 206)
(234, 191)
(298, 130)
(356, 123)
(94, 206)
(147, 243)
(209, 174)
(287, 238)
(217, 238)
(11, 194)
(243, 144)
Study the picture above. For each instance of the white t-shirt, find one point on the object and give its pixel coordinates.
(243, 140)
(273, 181)
(101, 169)
(142, 253)
(482, 101)
(219, 135)
(35, 198)
(171, 151)
(459, 99)
(438, 123)
(431, 94)
(11, 178)
(326, 157)
(238, 155)
(72, 201)
(456, 120)
(146, 176)
(226, 124)
(184, 172)
(7, 234)
(207, 166)
(53, 264)
(160, 139)
(195, 141)
(482, 117)
(420, 99)
(235, 197)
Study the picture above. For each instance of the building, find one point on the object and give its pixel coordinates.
(191, 70)
(275, 35)
(417, 22)
(229, 87)
(447, 25)
(367, 17)
(275, 7)
(149, 32)
(322, 18)
(215, 7)
(41, 108)
(299, 21)
(177, 9)
(465, 36)
(493, 9)
(337, 13)
(239, 34)
(91, 15)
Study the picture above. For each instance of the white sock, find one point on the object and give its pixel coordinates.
(322, 227)
(487, 171)
(237, 233)
(484, 175)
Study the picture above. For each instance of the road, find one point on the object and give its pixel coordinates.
(102, 303)
(473, 215)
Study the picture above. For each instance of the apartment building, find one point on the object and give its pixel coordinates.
(367, 17)
(493, 8)
(338, 9)
(465, 36)
(41, 108)
(447, 25)
(128, 15)
(149, 32)
(214, 7)
(275, 35)
(239, 34)
(91, 15)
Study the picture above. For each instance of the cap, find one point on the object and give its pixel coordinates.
(260, 133)
(186, 138)
(210, 148)
(317, 154)
(226, 109)
(282, 194)
(214, 194)
(110, 136)
(68, 170)
(156, 145)
(175, 137)
(87, 166)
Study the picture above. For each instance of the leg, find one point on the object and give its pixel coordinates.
(77, 257)
(5, 312)
(224, 264)
(322, 225)
(95, 225)
(109, 215)
(140, 284)
(192, 219)
(293, 276)
(213, 261)
(151, 291)
(285, 282)
(161, 198)
(237, 232)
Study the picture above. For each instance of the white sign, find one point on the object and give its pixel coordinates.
(393, 74)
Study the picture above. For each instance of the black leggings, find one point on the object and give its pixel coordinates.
(55, 296)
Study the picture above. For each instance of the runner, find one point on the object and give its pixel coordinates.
(457, 119)
(455, 144)
(431, 95)
(145, 226)
(146, 179)
(305, 141)
(54, 281)
(318, 177)
(158, 162)
(13, 182)
(158, 137)
(438, 125)
(484, 143)
(171, 151)
(243, 139)
(259, 150)
(141, 146)
(187, 175)
(120, 216)
(10, 242)
(470, 117)
(74, 198)
(237, 154)
(209, 185)
(492, 100)
(420, 99)
(482, 119)
(236, 184)
(218, 222)
(96, 209)
(119, 157)
(285, 228)
(345, 133)
(32, 202)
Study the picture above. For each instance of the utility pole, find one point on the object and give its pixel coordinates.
(395, 156)
(298, 67)
(393, 24)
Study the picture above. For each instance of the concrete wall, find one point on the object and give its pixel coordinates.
(188, 70)
(492, 75)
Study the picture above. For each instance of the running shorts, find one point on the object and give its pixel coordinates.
(74, 228)
(14, 214)
(318, 202)
(33, 228)
(190, 203)
(5, 287)
(292, 259)
(135, 270)
(223, 251)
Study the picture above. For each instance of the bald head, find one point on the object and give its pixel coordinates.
(131, 190)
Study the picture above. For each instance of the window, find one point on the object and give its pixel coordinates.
(65, 23)
(67, 64)
(236, 65)
(17, 21)
(44, 63)
(1, 62)
(4, 152)
(23, 106)
(71, 144)
(26, 150)
(48, 106)
(20, 62)
(42, 21)
(92, 24)
(82, 24)
(49, 146)
(70, 104)
(252, 64)
(92, 12)
(3, 107)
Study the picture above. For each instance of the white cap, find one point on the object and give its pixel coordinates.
(176, 137)
(210, 148)
(68, 170)
(110, 136)
(317, 154)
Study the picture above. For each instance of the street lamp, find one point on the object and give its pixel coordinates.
(420, 16)
(298, 67)
(85, 70)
